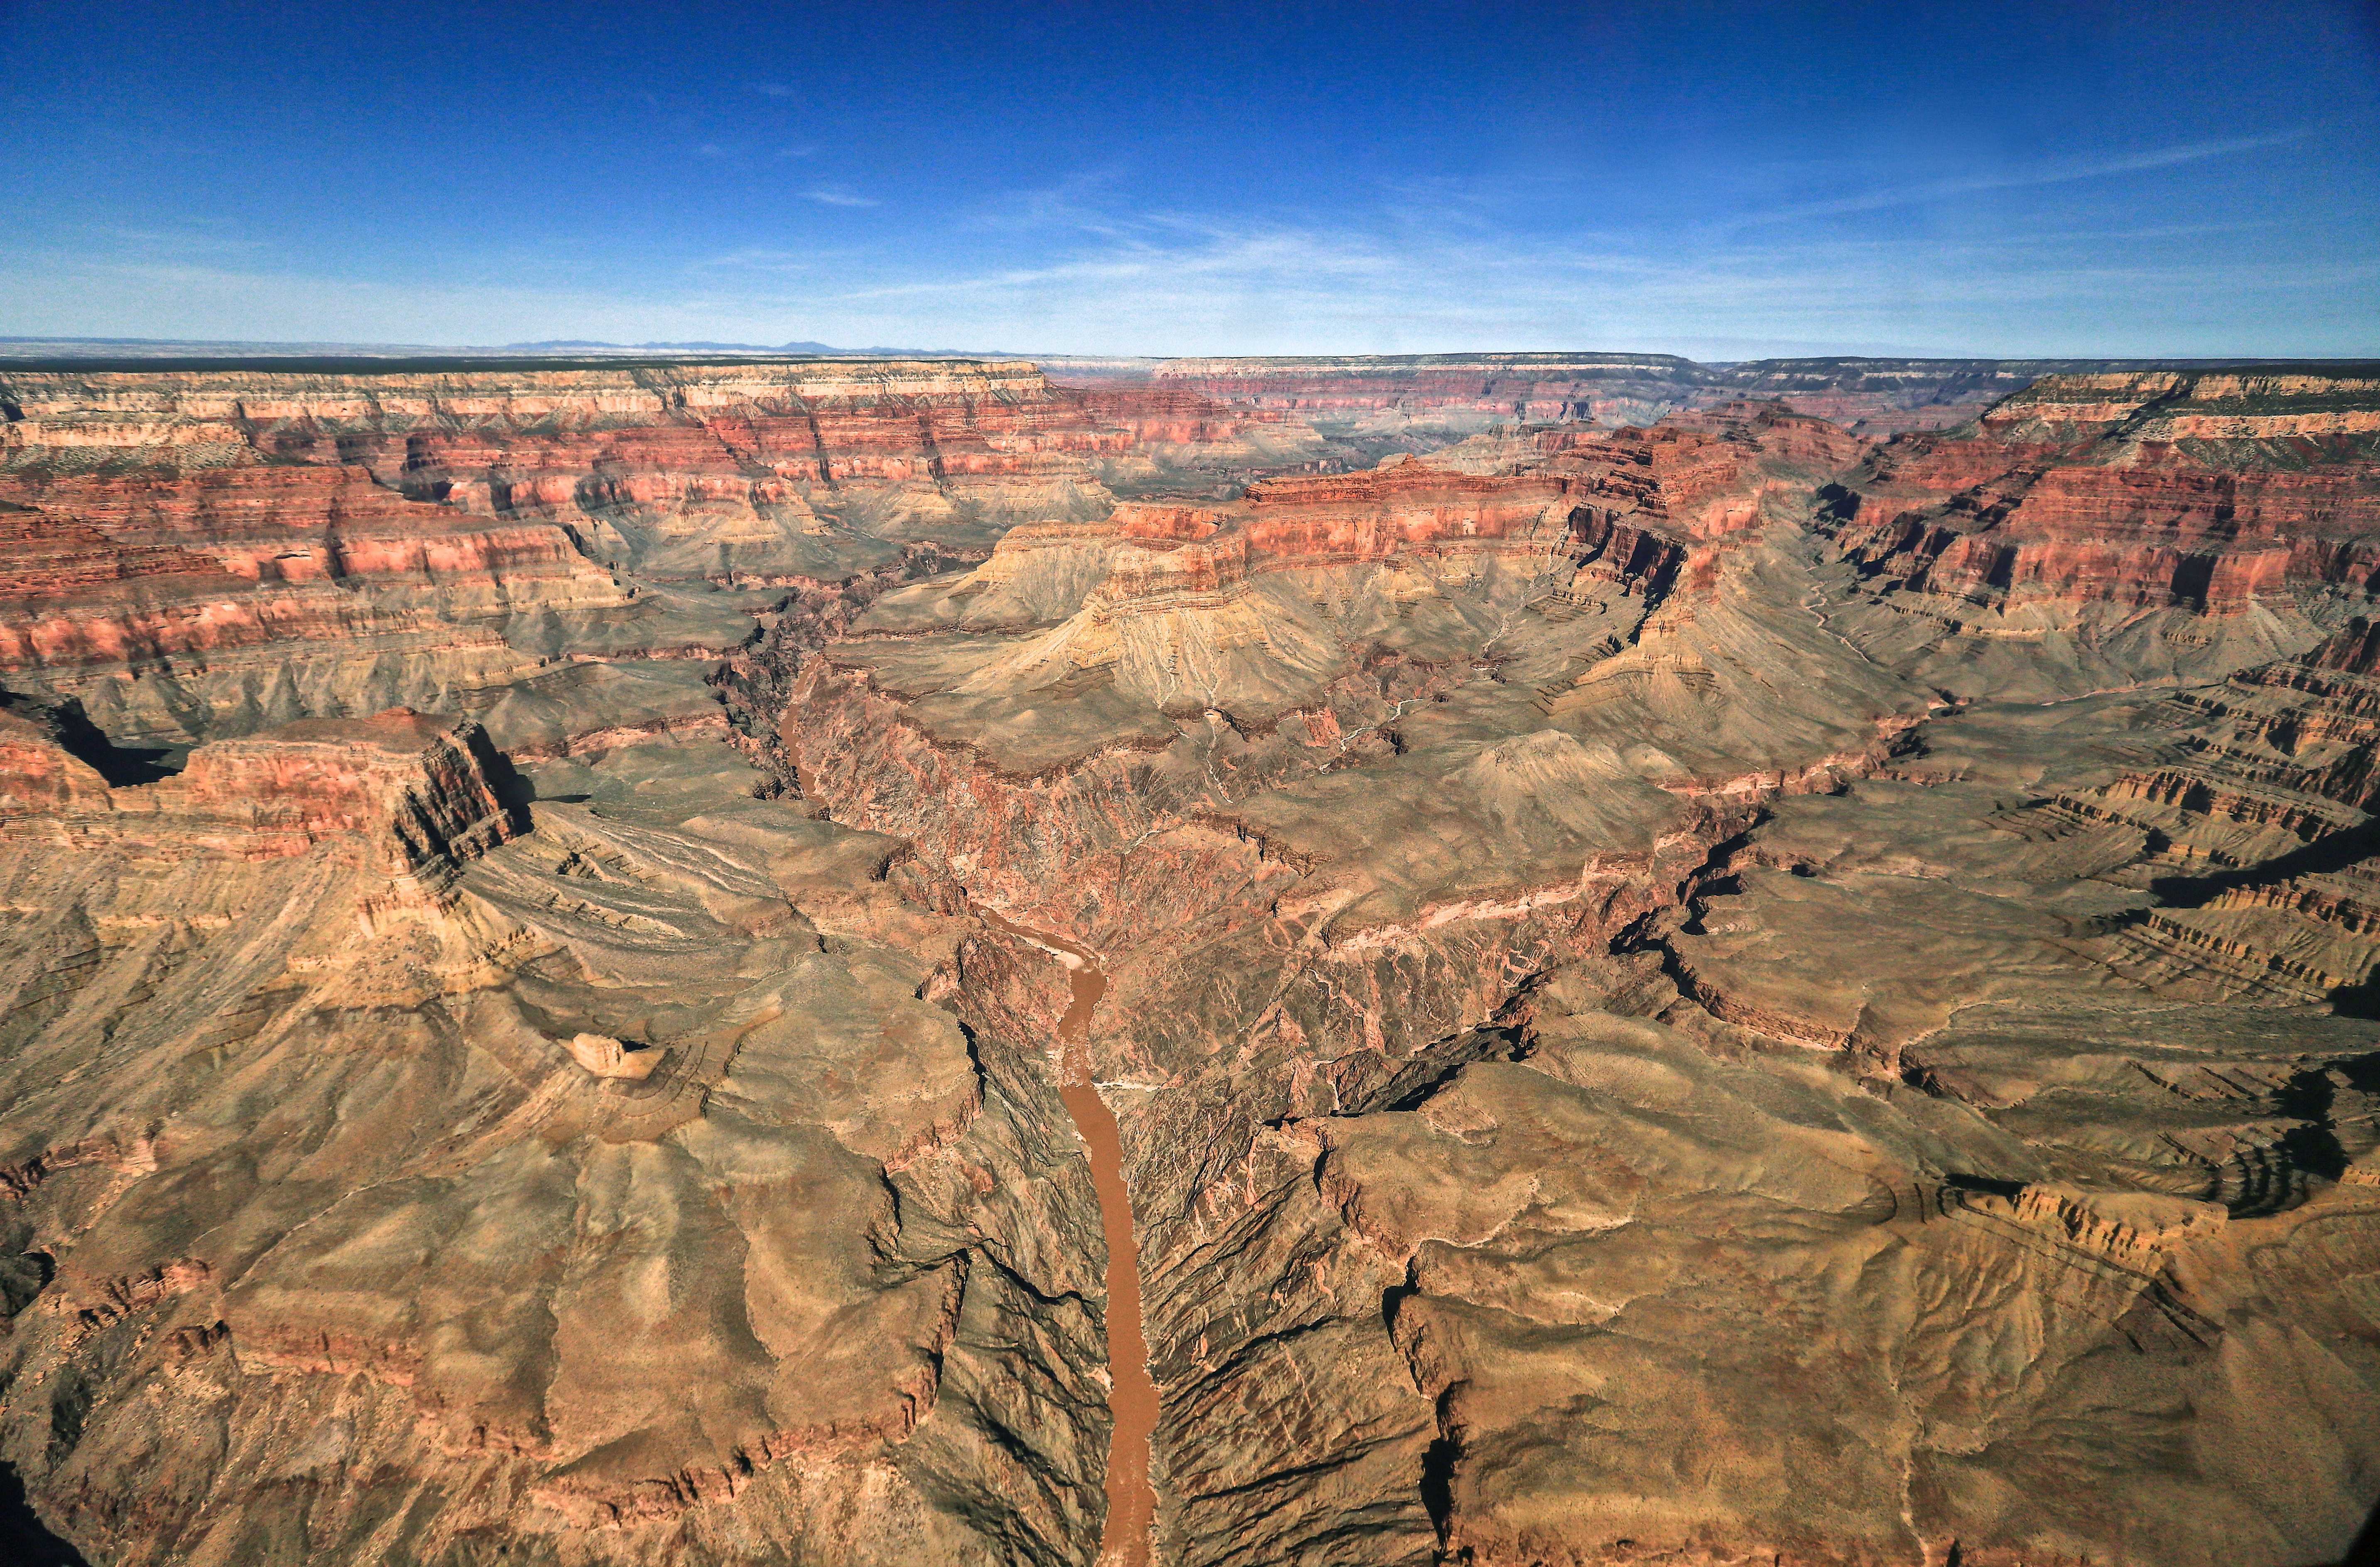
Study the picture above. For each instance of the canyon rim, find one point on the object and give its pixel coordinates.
(1631, 818)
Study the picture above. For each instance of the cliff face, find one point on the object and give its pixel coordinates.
(2208, 490)
(403, 793)
(1653, 1011)
(652, 458)
(249, 545)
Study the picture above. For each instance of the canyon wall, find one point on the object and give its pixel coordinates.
(2188, 512)
(1685, 985)
(194, 552)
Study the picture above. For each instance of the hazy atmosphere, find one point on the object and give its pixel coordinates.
(1717, 181)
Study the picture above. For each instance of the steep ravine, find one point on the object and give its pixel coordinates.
(1132, 1399)
(1292, 1428)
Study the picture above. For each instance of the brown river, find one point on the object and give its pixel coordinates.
(1132, 1396)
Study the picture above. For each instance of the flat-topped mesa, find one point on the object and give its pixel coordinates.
(1631, 505)
(1257, 606)
(1404, 505)
(2208, 491)
(1405, 508)
(401, 794)
(1250, 604)
(1040, 572)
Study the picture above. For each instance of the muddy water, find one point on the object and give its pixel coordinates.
(1132, 1397)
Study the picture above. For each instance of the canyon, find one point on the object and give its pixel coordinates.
(1491, 959)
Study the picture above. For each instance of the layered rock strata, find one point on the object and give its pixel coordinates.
(1636, 1027)
(189, 553)
(1614, 388)
(2209, 491)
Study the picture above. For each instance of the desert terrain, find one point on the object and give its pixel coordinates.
(1508, 960)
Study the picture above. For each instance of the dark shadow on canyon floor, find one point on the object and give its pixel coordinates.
(25, 1540)
(2365, 1550)
(122, 765)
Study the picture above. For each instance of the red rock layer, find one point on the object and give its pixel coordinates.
(295, 524)
(405, 792)
(1659, 506)
(1169, 415)
(71, 595)
(1298, 522)
(1693, 482)
(38, 775)
(556, 443)
(2208, 492)
(1371, 515)
(178, 513)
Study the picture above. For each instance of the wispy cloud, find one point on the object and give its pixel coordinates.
(180, 242)
(1080, 200)
(774, 88)
(2062, 171)
(1077, 266)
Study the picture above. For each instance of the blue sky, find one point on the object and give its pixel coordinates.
(1721, 181)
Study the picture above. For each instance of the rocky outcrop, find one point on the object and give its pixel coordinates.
(401, 792)
(2208, 492)
(536, 1242)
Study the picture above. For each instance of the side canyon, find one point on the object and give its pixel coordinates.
(1506, 960)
